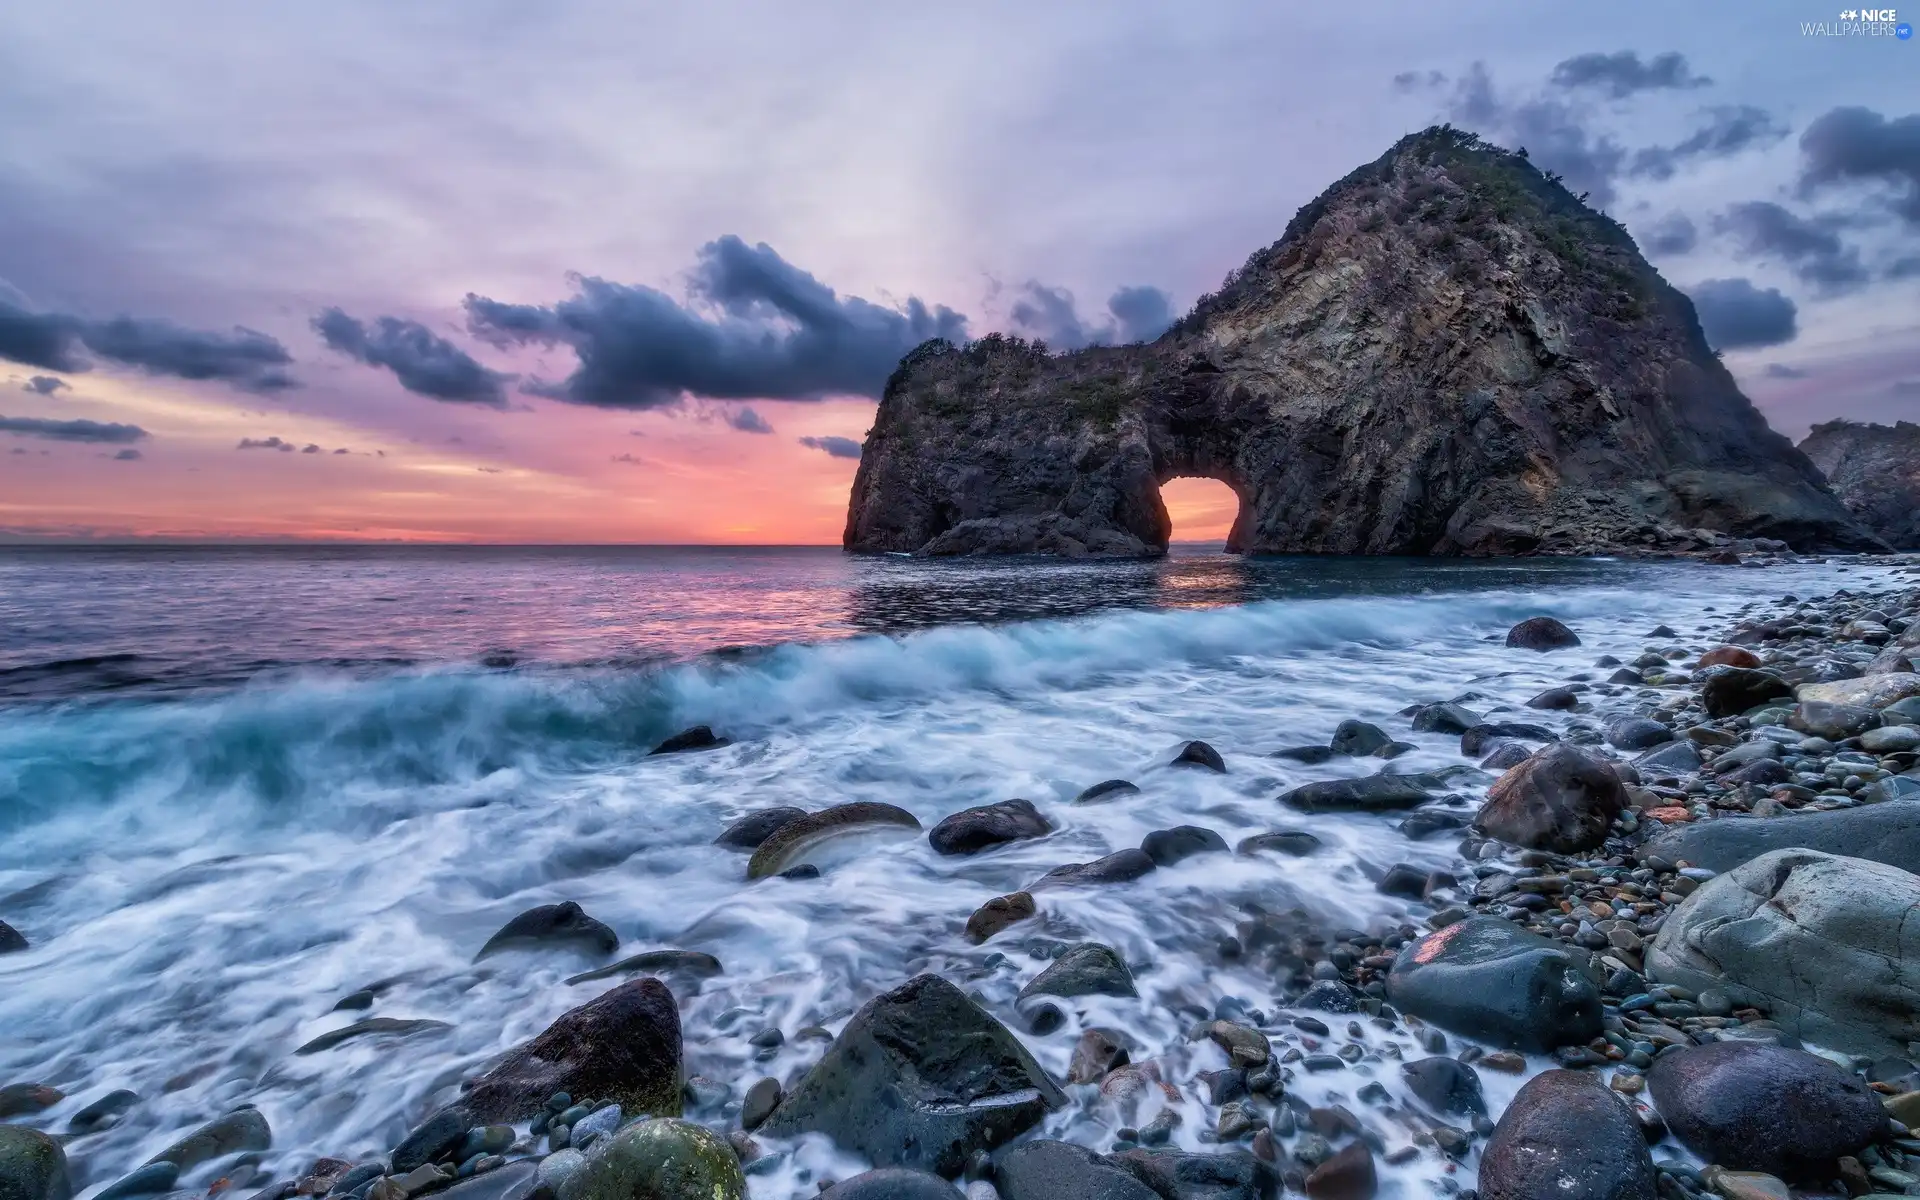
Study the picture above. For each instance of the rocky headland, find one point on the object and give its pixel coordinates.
(1875, 470)
(1445, 353)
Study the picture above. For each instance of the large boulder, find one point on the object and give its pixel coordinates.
(659, 1159)
(920, 1077)
(1884, 833)
(1562, 798)
(623, 1046)
(1487, 978)
(1567, 1137)
(1831, 945)
(1049, 1170)
(1169, 847)
(1872, 691)
(1730, 691)
(32, 1166)
(972, 830)
(1541, 633)
(1757, 1107)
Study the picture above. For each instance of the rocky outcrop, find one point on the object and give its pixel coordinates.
(1875, 470)
(1446, 353)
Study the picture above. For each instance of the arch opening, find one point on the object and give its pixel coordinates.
(1201, 509)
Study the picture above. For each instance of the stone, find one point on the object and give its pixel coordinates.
(1246, 1048)
(1328, 995)
(564, 924)
(1566, 1136)
(1199, 754)
(892, 1183)
(659, 1159)
(1559, 699)
(1295, 843)
(690, 964)
(1730, 691)
(1487, 978)
(142, 1181)
(1122, 866)
(1892, 739)
(1109, 789)
(1179, 1175)
(1446, 1085)
(1834, 722)
(1746, 1185)
(1541, 633)
(17, 1099)
(975, 829)
(11, 939)
(1479, 737)
(1729, 656)
(1097, 1052)
(1505, 755)
(32, 1166)
(1445, 718)
(1357, 739)
(699, 737)
(793, 843)
(436, 1137)
(1562, 798)
(1872, 691)
(509, 1181)
(1873, 470)
(1637, 733)
(998, 913)
(1756, 1107)
(1828, 944)
(1049, 1170)
(371, 1027)
(234, 1132)
(103, 1113)
(759, 1102)
(1348, 1175)
(756, 827)
(1311, 756)
(958, 1082)
(1166, 847)
(1670, 760)
(622, 1046)
(1088, 969)
(1368, 793)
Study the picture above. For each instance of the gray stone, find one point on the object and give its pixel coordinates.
(1199, 754)
(972, 830)
(758, 1104)
(1179, 1175)
(660, 1159)
(1830, 945)
(1108, 789)
(32, 1166)
(1562, 798)
(1486, 978)
(11, 939)
(1048, 1170)
(1872, 691)
(1122, 866)
(998, 913)
(1369, 793)
(1891, 739)
(511, 1181)
(431, 1139)
(1445, 1085)
(241, 1130)
(1568, 1137)
(1296, 843)
(370, 1027)
(1637, 733)
(892, 1183)
(1834, 722)
(1671, 759)
(1088, 969)
(1765, 1108)
(691, 964)
(1445, 718)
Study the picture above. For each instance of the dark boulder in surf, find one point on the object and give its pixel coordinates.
(552, 925)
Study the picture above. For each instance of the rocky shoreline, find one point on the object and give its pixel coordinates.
(1672, 872)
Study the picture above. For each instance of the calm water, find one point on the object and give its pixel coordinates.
(238, 784)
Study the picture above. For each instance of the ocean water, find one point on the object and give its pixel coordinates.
(239, 784)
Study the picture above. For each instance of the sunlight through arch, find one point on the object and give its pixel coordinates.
(1202, 510)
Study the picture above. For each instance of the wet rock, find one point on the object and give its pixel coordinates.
(1311, 756)
(892, 1183)
(1097, 1052)
(1755, 1107)
(1109, 789)
(1296, 843)
(700, 737)
(1404, 880)
(622, 1046)
(231, 1133)
(432, 1139)
(1167, 847)
(371, 1027)
(1541, 633)
(1444, 718)
(1486, 978)
(103, 1113)
(1506, 754)
(1885, 833)
(975, 829)
(1730, 691)
(1089, 969)
(1892, 739)
(1828, 944)
(1563, 798)
(511, 1181)
(1566, 1136)
(1049, 1170)
(1369, 793)
(32, 1166)
(1559, 699)
(17, 1099)
(1425, 822)
(1834, 722)
(1670, 760)
(1872, 691)
(1328, 995)
(1179, 1175)
(1199, 754)
(691, 964)
(548, 925)
(1357, 739)
(146, 1180)
(1446, 1085)
(756, 827)
(791, 844)
(660, 1159)
(759, 1102)
(1348, 1175)
(1476, 740)
(1122, 866)
(1637, 733)
(998, 913)
(958, 1082)
(1729, 656)
(1762, 772)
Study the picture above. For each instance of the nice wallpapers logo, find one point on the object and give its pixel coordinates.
(1860, 22)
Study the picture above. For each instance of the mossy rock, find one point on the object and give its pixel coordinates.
(32, 1166)
(660, 1159)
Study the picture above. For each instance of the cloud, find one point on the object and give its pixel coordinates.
(1905, 387)
(1729, 131)
(43, 385)
(1906, 267)
(629, 459)
(1413, 81)
(72, 431)
(1622, 73)
(1134, 314)
(1553, 132)
(1671, 234)
(425, 363)
(747, 421)
(268, 443)
(1858, 145)
(309, 448)
(1736, 315)
(1783, 371)
(1764, 229)
(244, 358)
(343, 450)
(754, 327)
(127, 456)
(837, 447)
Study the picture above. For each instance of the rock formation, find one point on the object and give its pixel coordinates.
(1875, 470)
(1446, 353)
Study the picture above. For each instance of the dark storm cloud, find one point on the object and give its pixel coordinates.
(1729, 130)
(1907, 267)
(72, 431)
(1905, 387)
(1783, 371)
(1736, 315)
(43, 385)
(1134, 314)
(1672, 234)
(127, 456)
(267, 443)
(425, 363)
(755, 328)
(1858, 145)
(1763, 229)
(747, 421)
(837, 447)
(1622, 73)
(245, 358)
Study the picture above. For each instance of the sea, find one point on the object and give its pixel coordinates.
(239, 783)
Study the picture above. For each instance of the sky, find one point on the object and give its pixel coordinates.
(599, 271)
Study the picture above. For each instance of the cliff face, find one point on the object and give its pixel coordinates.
(1875, 470)
(1446, 353)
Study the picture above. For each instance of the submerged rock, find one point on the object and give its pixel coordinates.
(11, 939)
(1562, 798)
(749, 831)
(1296, 843)
(32, 1166)
(1107, 789)
(1089, 969)
(1122, 866)
(691, 964)
(1541, 633)
(231, 1133)
(622, 1046)
(371, 1027)
(700, 737)
(1167, 847)
(564, 924)
(1445, 1085)
(1568, 1137)
(1199, 754)
(972, 830)
(956, 1079)
(1368, 793)
(1445, 718)
(1757, 1107)
(660, 1159)
(1487, 978)
(998, 913)
(789, 845)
